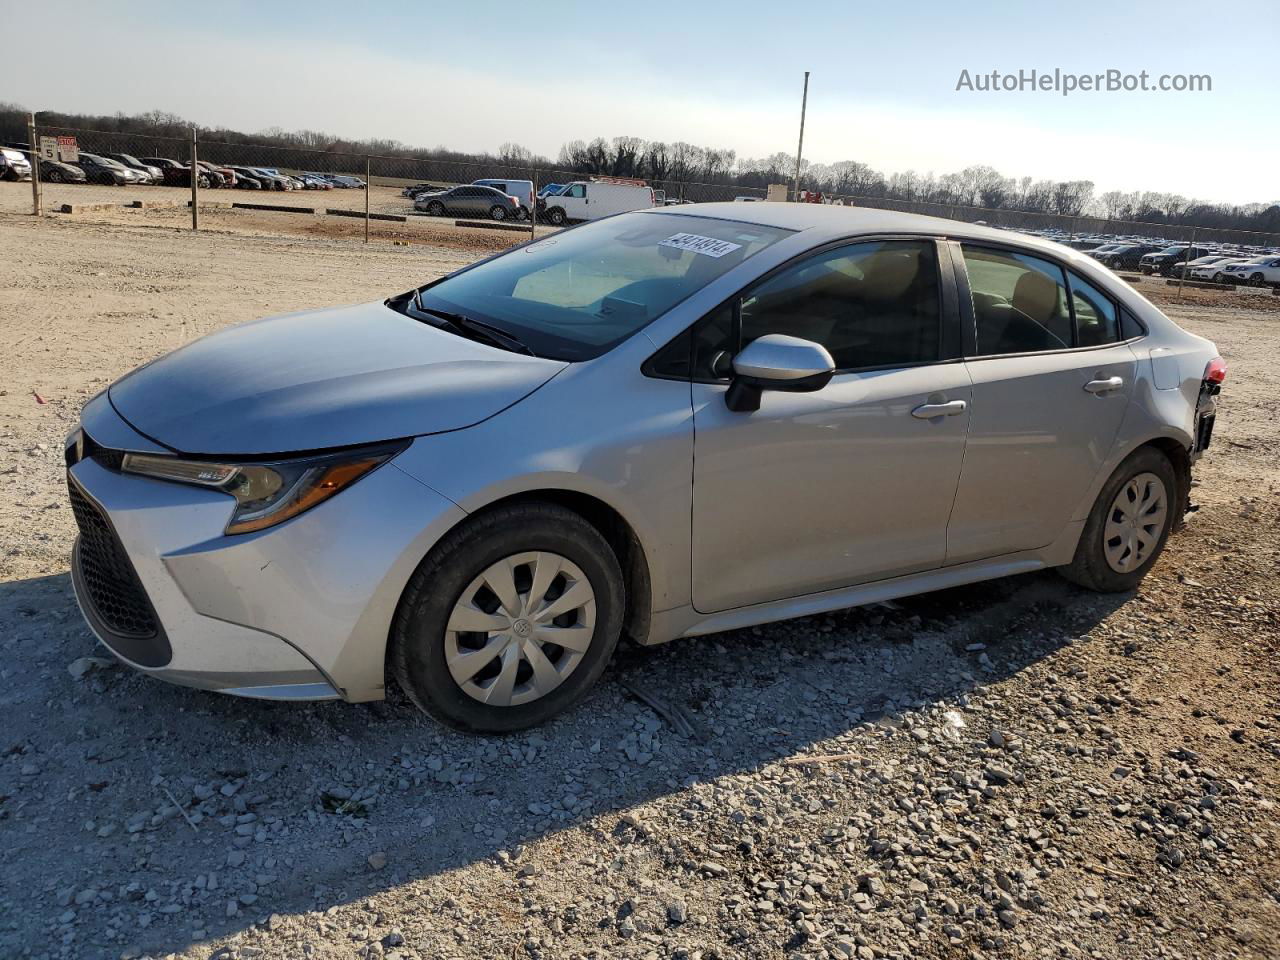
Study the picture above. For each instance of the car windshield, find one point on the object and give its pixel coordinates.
(578, 293)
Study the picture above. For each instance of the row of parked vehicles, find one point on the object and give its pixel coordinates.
(554, 203)
(1211, 262)
(123, 169)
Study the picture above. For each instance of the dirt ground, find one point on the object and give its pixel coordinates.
(168, 207)
(1013, 769)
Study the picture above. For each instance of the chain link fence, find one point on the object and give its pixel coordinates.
(257, 188)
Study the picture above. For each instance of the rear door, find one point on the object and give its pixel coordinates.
(1051, 382)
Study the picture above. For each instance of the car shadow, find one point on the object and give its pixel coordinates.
(93, 762)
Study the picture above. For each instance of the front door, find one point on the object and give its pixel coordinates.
(1051, 383)
(849, 484)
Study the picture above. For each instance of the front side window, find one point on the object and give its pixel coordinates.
(576, 294)
(1019, 302)
(872, 304)
(578, 190)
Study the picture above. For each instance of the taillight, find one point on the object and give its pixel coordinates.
(1216, 370)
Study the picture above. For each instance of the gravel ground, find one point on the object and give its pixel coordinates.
(1014, 769)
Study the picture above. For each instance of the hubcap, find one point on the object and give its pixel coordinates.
(1135, 522)
(520, 628)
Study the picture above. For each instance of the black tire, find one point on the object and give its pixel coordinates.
(1219, 278)
(435, 209)
(202, 183)
(497, 212)
(1089, 567)
(54, 176)
(1256, 280)
(556, 217)
(417, 643)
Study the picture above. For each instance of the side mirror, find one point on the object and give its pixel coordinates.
(777, 362)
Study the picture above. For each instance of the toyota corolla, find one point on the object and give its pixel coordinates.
(659, 425)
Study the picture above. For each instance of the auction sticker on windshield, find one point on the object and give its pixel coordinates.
(707, 246)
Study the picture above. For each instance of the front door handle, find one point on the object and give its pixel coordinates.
(928, 411)
(1105, 385)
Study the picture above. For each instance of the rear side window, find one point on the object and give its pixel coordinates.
(1096, 320)
(1020, 302)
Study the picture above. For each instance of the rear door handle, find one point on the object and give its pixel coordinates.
(928, 411)
(1104, 386)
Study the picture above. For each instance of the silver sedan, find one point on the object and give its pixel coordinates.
(662, 424)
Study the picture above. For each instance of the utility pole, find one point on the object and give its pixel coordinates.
(804, 103)
(36, 201)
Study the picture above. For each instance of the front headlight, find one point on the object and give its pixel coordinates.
(271, 492)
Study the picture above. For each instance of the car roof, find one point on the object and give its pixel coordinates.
(836, 220)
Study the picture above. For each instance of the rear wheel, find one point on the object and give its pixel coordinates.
(1128, 526)
(510, 620)
(497, 212)
(1256, 280)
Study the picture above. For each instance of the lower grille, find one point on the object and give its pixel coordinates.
(111, 587)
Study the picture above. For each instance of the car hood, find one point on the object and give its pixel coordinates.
(318, 379)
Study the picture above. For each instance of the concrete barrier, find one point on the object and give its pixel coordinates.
(359, 214)
(1200, 284)
(491, 225)
(275, 208)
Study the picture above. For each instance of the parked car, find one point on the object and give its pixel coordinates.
(220, 177)
(252, 180)
(1128, 257)
(177, 174)
(105, 171)
(417, 188)
(522, 190)
(667, 423)
(313, 182)
(1099, 253)
(468, 201)
(1257, 272)
(1204, 264)
(154, 174)
(271, 179)
(1161, 261)
(55, 171)
(595, 199)
(14, 165)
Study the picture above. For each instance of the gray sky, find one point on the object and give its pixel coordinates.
(883, 89)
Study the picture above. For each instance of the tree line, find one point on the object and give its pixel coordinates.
(680, 162)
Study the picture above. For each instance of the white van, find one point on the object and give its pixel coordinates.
(594, 199)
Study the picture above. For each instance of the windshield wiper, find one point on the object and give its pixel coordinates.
(476, 329)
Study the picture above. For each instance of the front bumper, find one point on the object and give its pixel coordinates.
(298, 611)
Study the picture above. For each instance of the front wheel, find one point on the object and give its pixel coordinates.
(435, 209)
(497, 212)
(510, 620)
(1128, 526)
(556, 216)
(54, 176)
(1219, 278)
